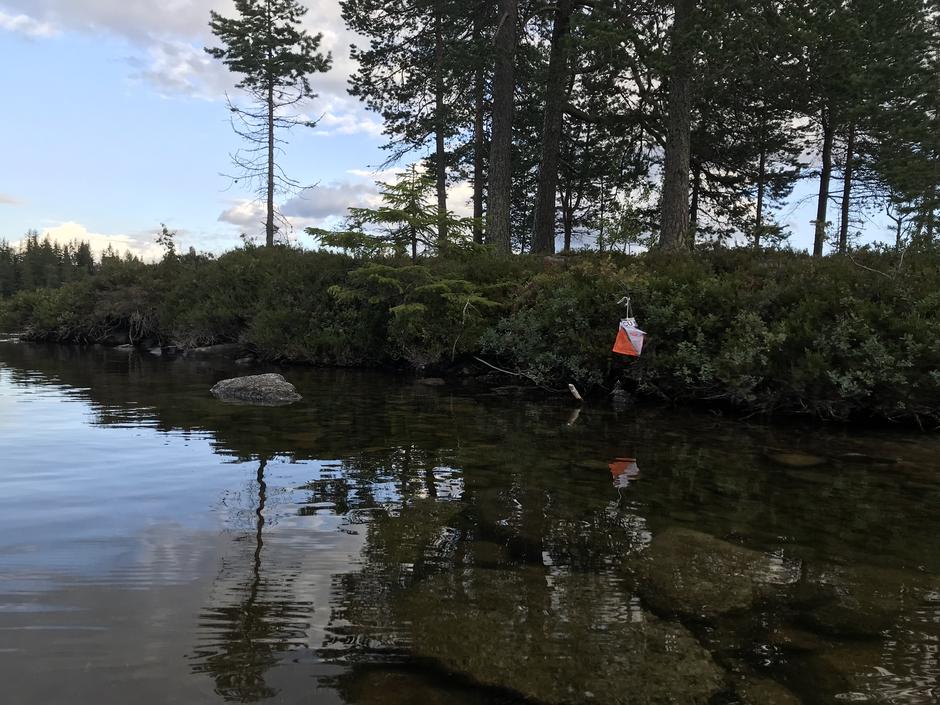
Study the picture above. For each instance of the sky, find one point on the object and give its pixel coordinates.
(114, 122)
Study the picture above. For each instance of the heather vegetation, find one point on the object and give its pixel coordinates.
(754, 331)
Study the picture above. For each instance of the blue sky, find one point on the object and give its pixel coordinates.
(115, 121)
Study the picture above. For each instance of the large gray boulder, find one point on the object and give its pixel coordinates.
(268, 389)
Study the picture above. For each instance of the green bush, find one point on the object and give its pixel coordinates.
(757, 331)
(761, 331)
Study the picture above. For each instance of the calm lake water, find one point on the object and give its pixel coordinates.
(389, 543)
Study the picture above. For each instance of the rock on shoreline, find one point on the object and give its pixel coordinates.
(268, 389)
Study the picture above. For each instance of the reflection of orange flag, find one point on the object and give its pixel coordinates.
(623, 346)
(623, 470)
(621, 465)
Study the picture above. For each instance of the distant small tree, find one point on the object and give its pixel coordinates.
(405, 220)
(266, 45)
(167, 240)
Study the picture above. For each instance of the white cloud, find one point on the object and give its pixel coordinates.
(327, 205)
(24, 24)
(244, 214)
(330, 200)
(168, 40)
(345, 116)
(460, 199)
(322, 205)
(175, 67)
(6, 200)
(140, 244)
(134, 19)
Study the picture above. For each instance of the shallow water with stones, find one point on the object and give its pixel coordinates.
(388, 543)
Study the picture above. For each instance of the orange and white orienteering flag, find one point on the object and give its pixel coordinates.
(629, 339)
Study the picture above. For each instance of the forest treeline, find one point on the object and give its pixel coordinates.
(38, 263)
(669, 121)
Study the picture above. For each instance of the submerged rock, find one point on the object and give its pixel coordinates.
(789, 638)
(764, 691)
(386, 686)
(864, 601)
(866, 459)
(271, 389)
(114, 340)
(697, 575)
(796, 460)
(432, 381)
(555, 638)
(230, 350)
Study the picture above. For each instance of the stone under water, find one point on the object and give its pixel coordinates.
(556, 638)
(697, 575)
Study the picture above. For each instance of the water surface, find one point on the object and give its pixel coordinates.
(389, 543)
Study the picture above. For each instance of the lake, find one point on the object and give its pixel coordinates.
(385, 542)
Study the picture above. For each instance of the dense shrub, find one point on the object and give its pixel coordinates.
(767, 332)
(759, 331)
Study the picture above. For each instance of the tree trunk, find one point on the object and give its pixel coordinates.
(567, 215)
(479, 137)
(543, 228)
(825, 175)
(675, 206)
(500, 178)
(931, 213)
(693, 208)
(269, 222)
(847, 190)
(898, 228)
(761, 178)
(440, 125)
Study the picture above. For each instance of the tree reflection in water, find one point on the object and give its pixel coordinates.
(257, 620)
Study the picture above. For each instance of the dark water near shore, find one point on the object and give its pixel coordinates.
(388, 543)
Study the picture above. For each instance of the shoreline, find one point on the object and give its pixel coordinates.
(471, 373)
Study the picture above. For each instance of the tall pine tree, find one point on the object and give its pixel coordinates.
(266, 45)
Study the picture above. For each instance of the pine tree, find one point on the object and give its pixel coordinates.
(417, 72)
(275, 57)
(745, 145)
(904, 152)
(675, 198)
(499, 190)
(556, 98)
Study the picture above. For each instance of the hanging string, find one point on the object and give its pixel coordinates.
(625, 301)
